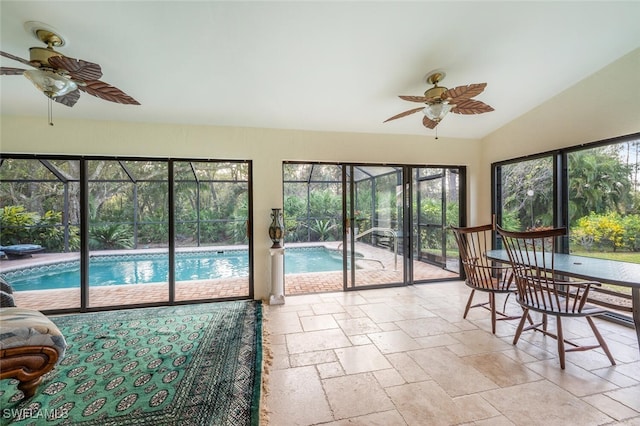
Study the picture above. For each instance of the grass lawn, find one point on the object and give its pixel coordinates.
(630, 257)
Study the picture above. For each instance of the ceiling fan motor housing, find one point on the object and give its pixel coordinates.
(41, 55)
(435, 94)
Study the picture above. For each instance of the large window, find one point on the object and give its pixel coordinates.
(124, 231)
(592, 190)
(526, 194)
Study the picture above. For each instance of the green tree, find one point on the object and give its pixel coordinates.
(599, 181)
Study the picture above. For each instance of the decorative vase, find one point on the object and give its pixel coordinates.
(276, 228)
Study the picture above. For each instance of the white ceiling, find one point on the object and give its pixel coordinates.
(333, 66)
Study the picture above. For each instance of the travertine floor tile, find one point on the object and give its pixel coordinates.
(318, 322)
(476, 342)
(387, 418)
(356, 395)
(628, 396)
(296, 397)
(545, 404)
(316, 341)
(427, 403)
(611, 407)
(358, 326)
(502, 370)
(427, 327)
(393, 341)
(408, 368)
(573, 378)
(452, 373)
(358, 359)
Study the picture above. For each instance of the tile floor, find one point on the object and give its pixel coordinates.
(405, 356)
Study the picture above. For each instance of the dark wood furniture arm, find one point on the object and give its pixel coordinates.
(27, 364)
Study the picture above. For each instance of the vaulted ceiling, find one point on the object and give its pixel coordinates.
(329, 66)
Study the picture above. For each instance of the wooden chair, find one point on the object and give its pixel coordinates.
(481, 273)
(532, 255)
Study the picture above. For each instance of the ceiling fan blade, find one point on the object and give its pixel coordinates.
(107, 92)
(471, 106)
(414, 98)
(464, 92)
(404, 114)
(11, 71)
(69, 99)
(428, 123)
(15, 58)
(77, 68)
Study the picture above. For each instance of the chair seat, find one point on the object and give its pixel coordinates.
(555, 310)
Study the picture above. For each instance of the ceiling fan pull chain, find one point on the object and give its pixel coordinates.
(50, 112)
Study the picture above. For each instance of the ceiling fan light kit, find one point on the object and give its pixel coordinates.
(439, 101)
(59, 77)
(50, 83)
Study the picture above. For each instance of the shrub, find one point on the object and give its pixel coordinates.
(110, 237)
(16, 224)
(599, 231)
(20, 226)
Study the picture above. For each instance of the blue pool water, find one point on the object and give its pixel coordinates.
(143, 269)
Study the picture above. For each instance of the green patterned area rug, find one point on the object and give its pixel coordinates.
(180, 365)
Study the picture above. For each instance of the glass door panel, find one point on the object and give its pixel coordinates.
(313, 220)
(40, 220)
(436, 205)
(376, 231)
(128, 232)
(211, 213)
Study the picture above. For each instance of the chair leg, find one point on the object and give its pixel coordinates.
(466, 309)
(560, 341)
(603, 344)
(525, 315)
(492, 304)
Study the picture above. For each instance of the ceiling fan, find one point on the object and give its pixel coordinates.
(439, 101)
(60, 77)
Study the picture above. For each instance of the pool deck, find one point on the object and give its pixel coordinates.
(385, 270)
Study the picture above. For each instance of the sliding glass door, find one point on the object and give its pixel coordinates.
(211, 215)
(435, 206)
(375, 236)
(128, 232)
(355, 226)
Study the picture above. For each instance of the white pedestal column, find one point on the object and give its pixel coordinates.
(277, 276)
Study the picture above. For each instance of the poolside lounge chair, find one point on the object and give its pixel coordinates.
(21, 250)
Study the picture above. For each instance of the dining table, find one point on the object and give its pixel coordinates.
(624, 274)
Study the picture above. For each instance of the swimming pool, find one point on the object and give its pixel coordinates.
(144, 269)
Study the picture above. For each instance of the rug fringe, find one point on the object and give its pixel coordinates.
(267, 362)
